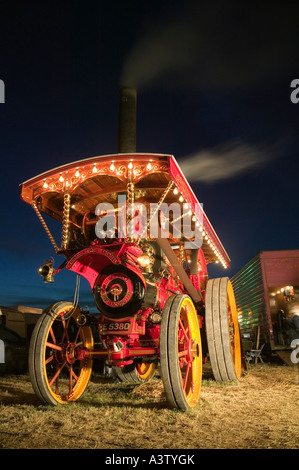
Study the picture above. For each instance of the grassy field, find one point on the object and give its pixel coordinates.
(261, 411)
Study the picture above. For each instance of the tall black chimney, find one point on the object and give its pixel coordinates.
(127, 120)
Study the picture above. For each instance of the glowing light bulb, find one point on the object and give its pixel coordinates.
(194, 218)
(130, 166)
(77, 174)
(112, 167)
(45, 184)
(61, 178)
(175, 191)
(181, 198)
(94, 170)
(149, 166)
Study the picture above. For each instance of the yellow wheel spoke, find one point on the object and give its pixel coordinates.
(54, 346)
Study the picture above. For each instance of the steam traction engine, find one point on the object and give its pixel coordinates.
(124, 229)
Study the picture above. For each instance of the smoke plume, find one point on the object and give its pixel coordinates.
(226, 161)
(213, 45)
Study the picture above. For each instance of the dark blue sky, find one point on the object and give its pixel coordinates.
(213, 82)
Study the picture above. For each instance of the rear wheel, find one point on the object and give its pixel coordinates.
(136, 372)
(222, 330)
(58, 368)
(180, 352)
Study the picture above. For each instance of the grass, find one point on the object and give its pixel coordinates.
(259, 411)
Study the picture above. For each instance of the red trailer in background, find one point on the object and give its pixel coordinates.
(267, 296)
(147, 274)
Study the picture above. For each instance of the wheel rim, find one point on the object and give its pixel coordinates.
(189, 352)
(66, 372)
(234, 331)
(146, 370)
(180, 352)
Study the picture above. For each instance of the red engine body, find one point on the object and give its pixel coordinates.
(130, 300)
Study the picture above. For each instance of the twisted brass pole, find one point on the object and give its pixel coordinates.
(65, 220)
(45, 226)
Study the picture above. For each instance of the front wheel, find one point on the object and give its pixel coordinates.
(180, 352)
(58, 368)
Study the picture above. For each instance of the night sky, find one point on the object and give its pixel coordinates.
(214, 84)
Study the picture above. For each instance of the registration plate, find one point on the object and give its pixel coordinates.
(112, 327)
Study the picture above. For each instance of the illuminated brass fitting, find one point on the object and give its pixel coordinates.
(81, 319)
(146, 260)
(155, 317)
(47, 271)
